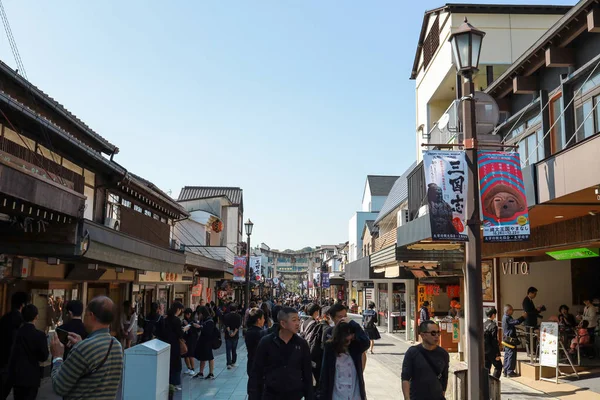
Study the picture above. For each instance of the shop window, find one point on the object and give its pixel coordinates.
(529, 137)
(584, 120)
(126, 203)
(137, 208)
(148, 213)
(89, 202)
(113, 208)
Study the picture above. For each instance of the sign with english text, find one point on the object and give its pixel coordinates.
(446, 177)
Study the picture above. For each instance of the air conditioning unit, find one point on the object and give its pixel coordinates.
(112, 223)
(402, 217)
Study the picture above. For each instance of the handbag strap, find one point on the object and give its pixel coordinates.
(101, 362)
(426, 356)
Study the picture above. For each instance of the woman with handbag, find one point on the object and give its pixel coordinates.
(172, 332)
(510, 341)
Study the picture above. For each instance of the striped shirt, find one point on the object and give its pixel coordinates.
(69, 377)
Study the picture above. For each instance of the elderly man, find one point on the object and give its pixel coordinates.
(94, 367)
(510, 340)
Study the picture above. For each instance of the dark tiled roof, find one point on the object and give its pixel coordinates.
(398, 194)
(234, 194)
(380, 185)
(26, 85)
(155, 191)
(370, 225)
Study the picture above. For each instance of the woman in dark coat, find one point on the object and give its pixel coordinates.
(204, 350)
(171, 332)
(342, 369)
(191, 339)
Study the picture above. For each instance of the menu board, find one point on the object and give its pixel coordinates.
(549, 344)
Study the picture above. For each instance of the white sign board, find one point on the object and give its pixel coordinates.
(549, 344)
(370, 295)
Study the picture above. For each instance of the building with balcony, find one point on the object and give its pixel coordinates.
(74, 223)
(212, 235)
(510, 30)
(552, 92)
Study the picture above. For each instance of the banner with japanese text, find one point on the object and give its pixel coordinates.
(503, 200)
(446, 177)
(256, 267)
(239, 269)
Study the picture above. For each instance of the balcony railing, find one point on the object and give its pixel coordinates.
(219, 253)
(447, 129)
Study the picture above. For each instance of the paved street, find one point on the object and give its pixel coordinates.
(382, 377)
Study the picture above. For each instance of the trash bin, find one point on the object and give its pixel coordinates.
(146, 371)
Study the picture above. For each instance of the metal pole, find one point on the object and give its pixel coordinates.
(475, 379)
(247, 295)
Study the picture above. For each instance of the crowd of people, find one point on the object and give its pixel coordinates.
(297, 347)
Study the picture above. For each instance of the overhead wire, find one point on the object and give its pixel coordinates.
(560, 116)
(548, 103)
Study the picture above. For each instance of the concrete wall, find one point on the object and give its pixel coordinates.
(355, 227)
(551, 278)
(231, 227)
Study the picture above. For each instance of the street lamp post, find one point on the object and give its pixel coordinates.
(466, 48)
(249, 226)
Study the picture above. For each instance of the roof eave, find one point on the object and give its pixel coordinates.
(104, 145)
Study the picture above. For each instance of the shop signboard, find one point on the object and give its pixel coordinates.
(197, 290)
(421, 295)
(572, 254)
(455, 331)
(370, 295)
(326, 280)
(503, 200)
(549, 344)
(446, 176)
(239, 269)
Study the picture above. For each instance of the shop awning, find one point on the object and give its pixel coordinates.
(108, 246)
(358, 270)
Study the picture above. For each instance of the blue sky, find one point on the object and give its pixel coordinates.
(294, 101)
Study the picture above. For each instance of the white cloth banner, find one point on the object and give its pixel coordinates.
(446, 175)
(256, 265)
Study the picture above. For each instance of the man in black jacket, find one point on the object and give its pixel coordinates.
(533, 312)
(232, 322)
(75, 324)
(282, 364)
(30, 349)
(9, 324)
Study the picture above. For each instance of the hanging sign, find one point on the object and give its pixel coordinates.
(325, 280)
(197, 290)
(421, 295)
(256, 265)
(446, 179)
(239, 269)
(503, 201)
(572, 254)
(549, 344)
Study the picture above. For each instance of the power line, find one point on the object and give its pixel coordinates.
(12, 42)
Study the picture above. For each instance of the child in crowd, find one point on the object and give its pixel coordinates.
(582, 337)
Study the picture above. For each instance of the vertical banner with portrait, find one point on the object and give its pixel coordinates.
(503, 201)
(446, 177)
(239, 269)
(255, 267)
(487, 281)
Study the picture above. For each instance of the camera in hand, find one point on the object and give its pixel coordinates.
(542, 308)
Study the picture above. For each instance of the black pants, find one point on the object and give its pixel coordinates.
(231, 350)
(491, 360)
(510, 360)
(5, 384)
(25, 393)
